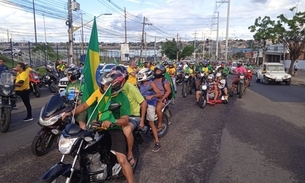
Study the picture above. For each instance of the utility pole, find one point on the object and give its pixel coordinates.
(44, 26)
(142, 41)
(217, 34)
(34, 21)
(177, 56)
(145, 45)
(195, 46)
(125, 16)
(155, 49)
(203, 45)
(83, 51)
(70, 31)
(8, 36)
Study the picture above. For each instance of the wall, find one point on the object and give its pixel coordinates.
(301, 64)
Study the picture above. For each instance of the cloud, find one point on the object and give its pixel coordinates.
(259, 1)
(134, 1)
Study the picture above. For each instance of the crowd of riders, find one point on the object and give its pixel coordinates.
(144, 90)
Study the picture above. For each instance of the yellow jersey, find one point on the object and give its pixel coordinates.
(23, 76)
(172, 71)
(132, 79)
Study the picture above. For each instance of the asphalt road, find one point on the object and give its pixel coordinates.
(259, 138)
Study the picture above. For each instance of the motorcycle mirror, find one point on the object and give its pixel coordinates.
(114, 106)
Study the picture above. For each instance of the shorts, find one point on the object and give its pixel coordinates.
(118, 141)
(151, 113)
(82, 117)
(211, 95)
(135, 121)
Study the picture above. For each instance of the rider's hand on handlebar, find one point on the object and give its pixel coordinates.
(66, 115)
(106, 124)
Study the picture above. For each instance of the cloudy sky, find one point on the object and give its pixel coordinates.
(167, 18)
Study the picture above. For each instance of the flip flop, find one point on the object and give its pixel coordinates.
(129, 160)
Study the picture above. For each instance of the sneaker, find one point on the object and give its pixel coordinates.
(157, 147)
(196, 102)
(27, 119)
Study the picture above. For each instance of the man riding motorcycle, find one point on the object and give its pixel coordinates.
(172, 72)
(138, 107)
(240, 69)
(118, 142)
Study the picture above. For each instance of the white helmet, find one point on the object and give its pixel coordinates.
(210, 76)
(144, 75)
(218, 74)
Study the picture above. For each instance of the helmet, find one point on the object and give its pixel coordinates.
(165, 63)
(239, 63)
(122, 69)
(170, 64)
(218, 74)
(115, 78)
(161, 68)
(200, 63)
(210, 76)
(248, 63)
(72, 66)
(192, 63)
(205, 64)
(145, 75)
(74, 72)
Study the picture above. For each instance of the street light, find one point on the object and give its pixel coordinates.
(82, 26)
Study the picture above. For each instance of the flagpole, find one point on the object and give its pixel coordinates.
(89, 122)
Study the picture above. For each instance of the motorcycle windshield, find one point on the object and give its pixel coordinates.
(7, 79)
(55, 104)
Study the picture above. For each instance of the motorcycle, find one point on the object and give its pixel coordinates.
(240, 86)
(249, 73)
(7, 99)
(34, 83)
(50, 120)
(204, 98)
(50, 79)
(187, 85)
(166, 113)
(179, 78)
(92, 149)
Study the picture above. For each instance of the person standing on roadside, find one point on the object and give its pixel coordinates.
(2, 66)
(296, 67)
(22, 88)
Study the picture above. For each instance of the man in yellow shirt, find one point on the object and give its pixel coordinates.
(132, 71)
(22, 88)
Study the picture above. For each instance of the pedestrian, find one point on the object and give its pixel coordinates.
(296, 67)
(22, 88)
(2, 66)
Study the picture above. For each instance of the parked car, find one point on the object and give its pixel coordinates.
(272, 72)
(8, 51)
(232, 68)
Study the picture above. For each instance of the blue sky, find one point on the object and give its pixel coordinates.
(168, 18)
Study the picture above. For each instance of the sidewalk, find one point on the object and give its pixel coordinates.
(299, 79)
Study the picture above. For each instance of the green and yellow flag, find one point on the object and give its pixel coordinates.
(167, 76)
(140, 65)
(91, 64)
(115, 62)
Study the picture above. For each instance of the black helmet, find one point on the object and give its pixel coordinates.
(161, 68)
(74, 72)
(114, 77)
(239, 63)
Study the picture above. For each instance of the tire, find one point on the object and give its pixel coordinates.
(184, 90)
(37, 92)
(5, 119)
(42, 144)
(288, 82)
(53, 88)
(241, 90)
(165, 126)
(256, 79)
(202, 101)
(265, 81)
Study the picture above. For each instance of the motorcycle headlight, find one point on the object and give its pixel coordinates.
(241, 77)
(35, 77)
(49, 121)
(6, 91)
(204, 87)
(186, 77)
(201, 74)
(65, 144)
(48, 77)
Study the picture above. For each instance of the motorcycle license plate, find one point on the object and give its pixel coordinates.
(279, 80)
(186, 77)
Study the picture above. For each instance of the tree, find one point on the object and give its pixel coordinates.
(169, 48)
(187, 51)
(290, 32)
(263, 28)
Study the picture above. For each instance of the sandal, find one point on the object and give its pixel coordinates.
(159, 129)
(129, 161)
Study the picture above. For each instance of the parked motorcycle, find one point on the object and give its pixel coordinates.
(7, 99)
(34, 83)
(50, 79)
(92, 149)
(50, 120)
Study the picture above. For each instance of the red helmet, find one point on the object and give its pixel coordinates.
(115, 78)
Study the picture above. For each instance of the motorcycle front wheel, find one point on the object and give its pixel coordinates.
(241, 89)
(165, 126)
(53, 88)
(184, 90)
(37, 91)
(42, 144)
(202, 100)
(5, 119)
